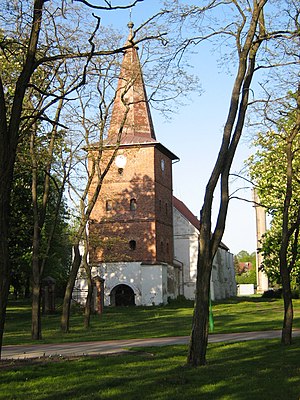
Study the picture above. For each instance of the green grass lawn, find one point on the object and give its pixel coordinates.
(259, 370)
(236, 315)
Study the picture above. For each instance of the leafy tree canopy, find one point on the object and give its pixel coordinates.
(268, 169)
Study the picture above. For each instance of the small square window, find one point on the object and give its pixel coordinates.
(133, 205)
(108, 205)
(132, 244)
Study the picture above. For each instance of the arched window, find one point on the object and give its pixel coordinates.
(108, 205)
(132, 204)
(132, 244)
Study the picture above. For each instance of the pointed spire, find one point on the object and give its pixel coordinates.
(131, 95)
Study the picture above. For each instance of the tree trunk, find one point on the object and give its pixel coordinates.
(209, 242)
(4, 290)
(39, 217)
(89, 298)
(199, 334)
(36, 329)
(65, 318)
(36, 324)
(4, 271)
(287, 231)
(286, 335)
(6, 176)
(9, 134)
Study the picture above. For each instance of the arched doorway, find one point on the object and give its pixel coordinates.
(122, 295)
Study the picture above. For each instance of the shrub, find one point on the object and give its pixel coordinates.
(247, 277)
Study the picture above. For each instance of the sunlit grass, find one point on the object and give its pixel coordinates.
(259, 370)
(235, 315)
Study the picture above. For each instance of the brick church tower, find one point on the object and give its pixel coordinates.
(131, 226)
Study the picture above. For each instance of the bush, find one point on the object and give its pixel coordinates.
(277, 294)
(272, 294)
(247, 277)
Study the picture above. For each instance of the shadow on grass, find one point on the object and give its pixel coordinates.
(259, 370)
(247, 299)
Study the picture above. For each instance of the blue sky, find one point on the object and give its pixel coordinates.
(194, 135)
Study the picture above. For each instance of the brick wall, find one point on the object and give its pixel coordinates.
(132, 219)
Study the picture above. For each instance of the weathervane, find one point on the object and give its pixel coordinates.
(130, 23)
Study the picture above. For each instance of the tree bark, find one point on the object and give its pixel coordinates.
(286, 334)
(5, 188)
(287, 232)
(199, 334)
(89, 298)
(65, 318)
(36, 329)
(36, 333)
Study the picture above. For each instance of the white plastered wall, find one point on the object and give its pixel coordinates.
(148, 282)
(223, 283)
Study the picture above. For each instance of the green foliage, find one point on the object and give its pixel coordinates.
(247, 277)
(21, 231)
(20, 242)
(268, 169)
(244, 256)
(60, 255)
(270, 251)
(245, 267)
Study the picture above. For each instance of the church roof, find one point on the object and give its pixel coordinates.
(131, 103)
(182, 208)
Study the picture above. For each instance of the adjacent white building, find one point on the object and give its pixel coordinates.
(186, 233)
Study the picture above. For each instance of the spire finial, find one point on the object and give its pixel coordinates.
(130, 26)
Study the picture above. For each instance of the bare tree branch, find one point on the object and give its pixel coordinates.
(109, 6)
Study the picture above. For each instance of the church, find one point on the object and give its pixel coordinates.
(143, 241)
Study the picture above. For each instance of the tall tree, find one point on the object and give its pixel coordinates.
(53, 253)
(246, 25)
(20, 241)
(275, 168)
(40, 205)
(24, 27)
